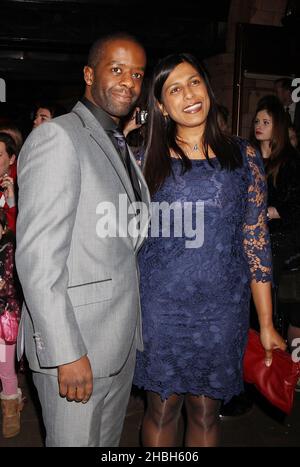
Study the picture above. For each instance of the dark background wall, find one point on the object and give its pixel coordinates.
(44, 43)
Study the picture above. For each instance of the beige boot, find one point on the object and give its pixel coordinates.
(11, 408)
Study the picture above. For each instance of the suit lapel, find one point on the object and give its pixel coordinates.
(110, 152)
(97, 134)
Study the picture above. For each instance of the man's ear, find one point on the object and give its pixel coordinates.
(88, 74)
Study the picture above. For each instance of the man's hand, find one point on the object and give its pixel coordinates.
(76, 380)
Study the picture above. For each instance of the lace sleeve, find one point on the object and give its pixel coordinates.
(255, 229)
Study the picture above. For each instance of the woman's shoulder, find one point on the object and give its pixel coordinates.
(251, 154)
(245, 146)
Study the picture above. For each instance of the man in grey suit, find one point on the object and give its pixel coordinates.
(81, 318)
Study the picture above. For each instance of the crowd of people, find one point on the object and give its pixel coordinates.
(165, 310)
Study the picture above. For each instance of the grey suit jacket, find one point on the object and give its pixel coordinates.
(81, 291)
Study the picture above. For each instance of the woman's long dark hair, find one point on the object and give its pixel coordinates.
(161, 132)
(280, 145)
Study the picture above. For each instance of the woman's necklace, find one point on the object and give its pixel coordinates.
(193, 147)
(193, 151)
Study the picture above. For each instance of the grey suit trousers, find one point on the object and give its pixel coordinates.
(97, 423)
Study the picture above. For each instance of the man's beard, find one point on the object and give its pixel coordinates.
(109, 105)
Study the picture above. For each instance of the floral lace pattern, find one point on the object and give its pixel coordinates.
(8, 292)
(256, 235)
(195, 302)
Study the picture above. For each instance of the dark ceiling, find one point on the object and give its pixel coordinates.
(51, 37)
(44, 43)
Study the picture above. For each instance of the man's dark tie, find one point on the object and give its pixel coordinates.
(288, 116)
(124, 152)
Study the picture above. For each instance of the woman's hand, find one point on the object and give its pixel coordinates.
(271, 340)
(273, 213)
(130, 124)
(8, 184)
(2, 283)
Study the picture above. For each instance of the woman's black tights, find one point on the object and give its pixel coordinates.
(160, 424)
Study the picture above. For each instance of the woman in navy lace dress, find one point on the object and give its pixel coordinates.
(199, 262)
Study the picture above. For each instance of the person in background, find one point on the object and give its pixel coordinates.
(284, 91)
(195, 292)
(11, 395)
(46, 110)
(294, 138)
(15, 132)
(282, 164)
(8, 151)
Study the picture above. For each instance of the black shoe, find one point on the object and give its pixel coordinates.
(237, 406)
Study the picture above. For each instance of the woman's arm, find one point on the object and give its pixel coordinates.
(258, 253)
(270, 339)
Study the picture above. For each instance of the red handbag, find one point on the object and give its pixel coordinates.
(277, 382)
(9, 325)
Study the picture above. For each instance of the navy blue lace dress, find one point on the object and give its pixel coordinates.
(195, 301)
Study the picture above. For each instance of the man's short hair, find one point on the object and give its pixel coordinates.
(55, 108)
(98, 46)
